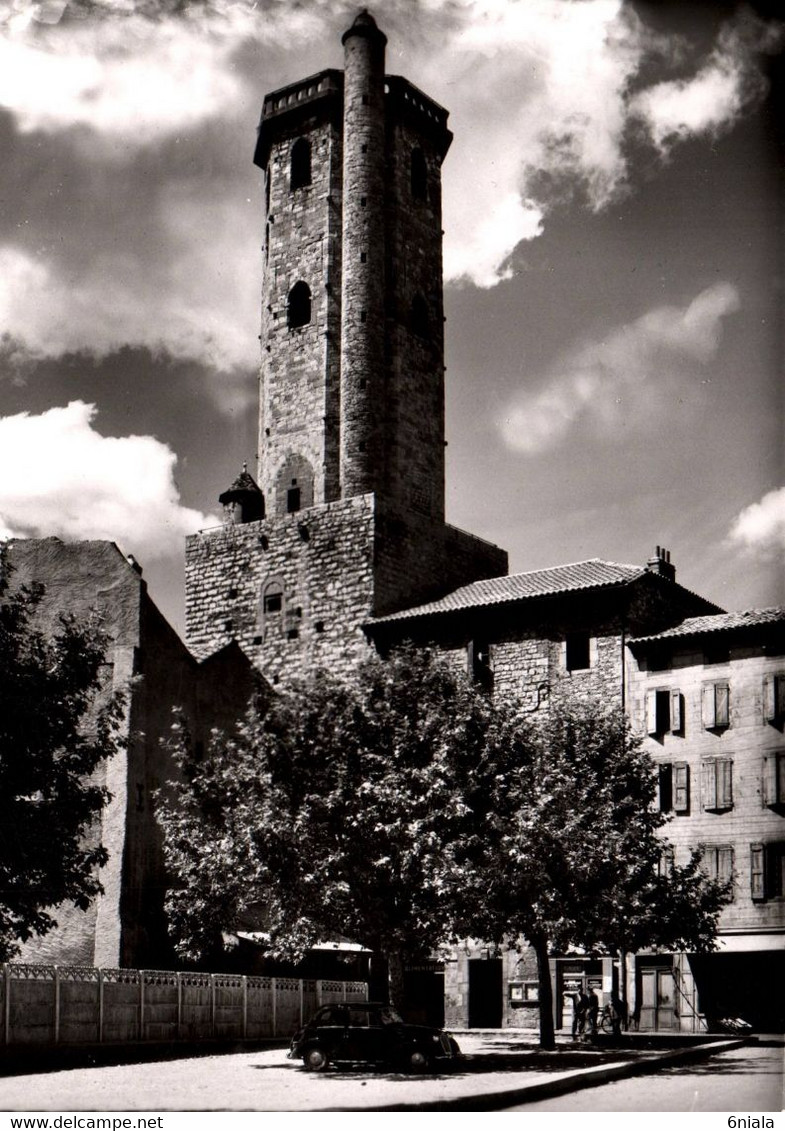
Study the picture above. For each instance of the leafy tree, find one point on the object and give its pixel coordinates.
(579, 860)
(340, 808)
(52, 739)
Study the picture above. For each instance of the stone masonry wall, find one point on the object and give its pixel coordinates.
(320, 561)
(748, 738)
(300, 373)
(414, 359)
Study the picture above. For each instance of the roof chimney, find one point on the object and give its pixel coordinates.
(661, 563)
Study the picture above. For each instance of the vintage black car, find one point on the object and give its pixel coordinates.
(369, 1033)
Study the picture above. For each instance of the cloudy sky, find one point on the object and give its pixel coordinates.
(613, 258)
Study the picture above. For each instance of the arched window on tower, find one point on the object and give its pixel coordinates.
(419, 317)
(419, 175)
(300, 171)
(298, 306)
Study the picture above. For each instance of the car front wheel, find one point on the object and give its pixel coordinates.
(316, 1059)
(416, 1060)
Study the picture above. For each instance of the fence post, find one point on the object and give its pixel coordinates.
(179, 1004)
(212, 1005)
(57, 1004)
(245, 1005)
(302, 1005)
(6, 1003)
(318, 992)
(274, 985)
(141, 1005)
(100, 1006)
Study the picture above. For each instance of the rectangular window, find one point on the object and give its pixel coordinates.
(718, 784)
(273, 602)
(773, 698)
(665, 862)
(715, 705)
(663, 711)
(681, 787)
(718, 862)
(773, 782)
(767, 870)
(757, 872)
(577, 651)
(479, 664)
(775, 870)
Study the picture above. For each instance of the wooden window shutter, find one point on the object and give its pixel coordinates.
(724, 783)
(769, 698)
(651, 712)
(757, 872)
(681, 787)
(676, 716)
(725, 863)
(708, 714)
(779, 781)
(721, 705)
(768, 781)
(779, 695)
(709, 784)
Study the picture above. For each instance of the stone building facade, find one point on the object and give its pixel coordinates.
(125, 926)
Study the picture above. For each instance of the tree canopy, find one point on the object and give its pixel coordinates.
(581, 860)
(353, 809)
(406, 807)
(53, 736)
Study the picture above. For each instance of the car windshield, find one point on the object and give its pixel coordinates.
(389, 1016)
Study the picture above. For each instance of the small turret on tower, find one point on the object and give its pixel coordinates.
(243, 501)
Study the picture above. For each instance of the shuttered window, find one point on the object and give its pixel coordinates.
(681, 787)
(773, 783)
(757, 872)
(718, 784)
(718, 862)
(715, 705)
(773, 698)
(663, 711)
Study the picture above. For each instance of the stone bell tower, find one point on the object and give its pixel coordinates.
(352, 374)
(350, 521)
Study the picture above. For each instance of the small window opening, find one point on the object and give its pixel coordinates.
(273, 601)
(298, 306)
(480, 670)
(292, 500)
(300, 172)
(419, 175)
(419, 318)
(293, 634)
(319, 626)
(362, 202)
(578, 656)
(363, 257)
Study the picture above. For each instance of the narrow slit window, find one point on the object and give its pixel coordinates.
(300, 171)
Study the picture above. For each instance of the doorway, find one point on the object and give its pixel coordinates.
(485, 993)
(657, 998)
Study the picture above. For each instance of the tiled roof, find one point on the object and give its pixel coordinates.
(593, 574)
(719, 622)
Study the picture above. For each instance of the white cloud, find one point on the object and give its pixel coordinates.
(620, 379)
(59, 476)
(198, 301)
(537, 89)
(136, 80)
(713, 100)
(760, 527)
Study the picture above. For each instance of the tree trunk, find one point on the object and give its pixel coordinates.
(396, 987)
(547, 1034)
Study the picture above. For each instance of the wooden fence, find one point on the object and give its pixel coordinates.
(77, 1005)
